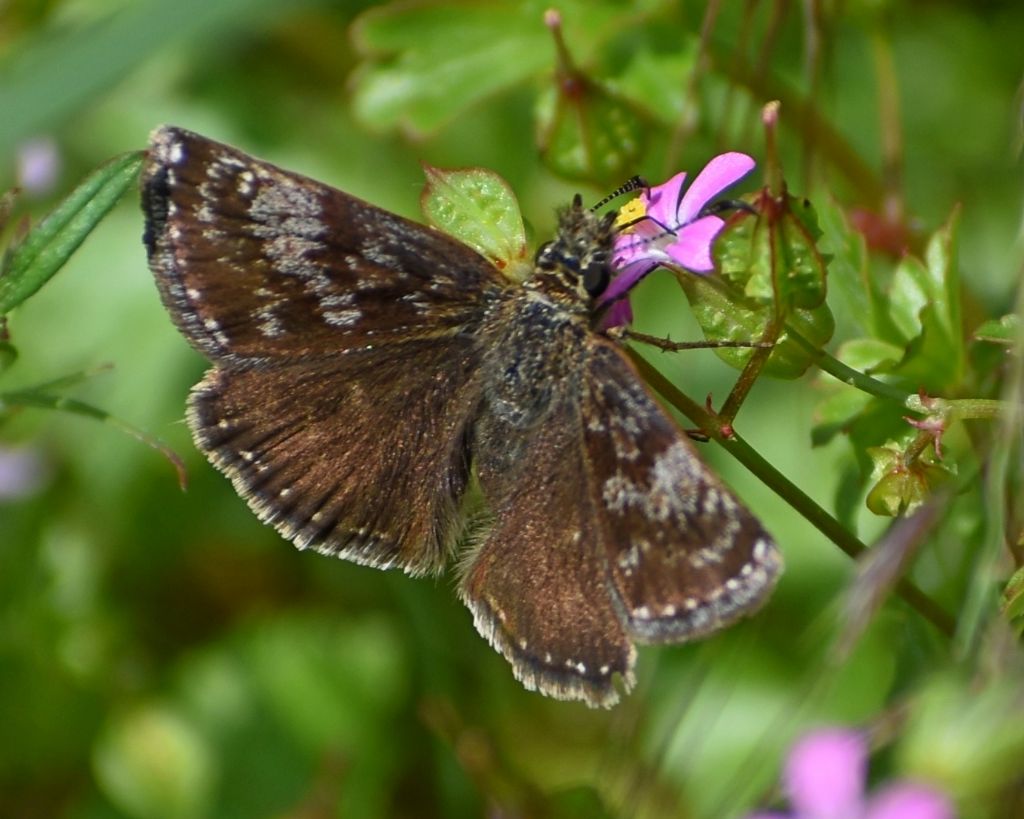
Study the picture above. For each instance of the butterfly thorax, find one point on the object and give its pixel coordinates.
(574, 268)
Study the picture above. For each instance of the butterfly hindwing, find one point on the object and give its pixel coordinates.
(607, 527)
(537, 584)
(684, 556)
(311, 452)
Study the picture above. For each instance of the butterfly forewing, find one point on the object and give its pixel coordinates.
(685, 557)
(254, 262)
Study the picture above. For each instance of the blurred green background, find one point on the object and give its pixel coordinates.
(162, 654)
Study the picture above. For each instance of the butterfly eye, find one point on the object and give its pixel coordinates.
(545, 256)
(596, 276)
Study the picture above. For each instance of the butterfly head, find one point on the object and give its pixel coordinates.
(575, 266)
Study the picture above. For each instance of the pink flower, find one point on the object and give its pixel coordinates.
(38, 166)
(825, 777)
(22, 473)
(672, 230)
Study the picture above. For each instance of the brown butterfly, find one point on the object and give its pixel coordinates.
(366, 369)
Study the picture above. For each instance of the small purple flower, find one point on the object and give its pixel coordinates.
(38, 165)
(825, 777)
(22, 473)
(671, 230)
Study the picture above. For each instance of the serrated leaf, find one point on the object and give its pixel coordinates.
(800, 278)
(849, 277)
(774, 256)
(725, 315)
(908, 295)
(741, 303)
(925, 304)
(586, 133)
(478, 207)
(47, 246)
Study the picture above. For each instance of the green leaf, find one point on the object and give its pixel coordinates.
(1004, 330)
(774, 256)
(426, 63)
(56, 71)
(1013, 596)
(967, 735)
(770, 275)
(727, 315)
(870, 355)
(834, 414)
(849, 277)
(44, 396)
(925, 304)
(478, 207)
(586, 133)
(151, 761)
(8, 355)
(802, 268)
(657, 81)
(36, 258)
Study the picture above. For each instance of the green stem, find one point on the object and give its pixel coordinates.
(784, 488)
(848, 375)
(986, 409)
(749, 375)
(801, 113)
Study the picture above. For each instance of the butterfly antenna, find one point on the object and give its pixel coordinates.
(633, 184)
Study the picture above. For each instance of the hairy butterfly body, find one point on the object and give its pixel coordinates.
(365, 367)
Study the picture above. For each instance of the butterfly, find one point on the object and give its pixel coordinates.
(368, 370)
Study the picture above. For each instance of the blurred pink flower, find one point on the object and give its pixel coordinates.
(22, 472)
(38, 165)
(825, 777)
(672, 230)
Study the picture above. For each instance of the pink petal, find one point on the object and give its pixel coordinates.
(628, 275)
(692, 248)
(908, 801)
(38, 165)
(618, 314)
(825, 774)
(663, 200)
(22, 472)
(721, 172)
(630, 248)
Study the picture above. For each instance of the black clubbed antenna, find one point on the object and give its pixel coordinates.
(634, 184)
